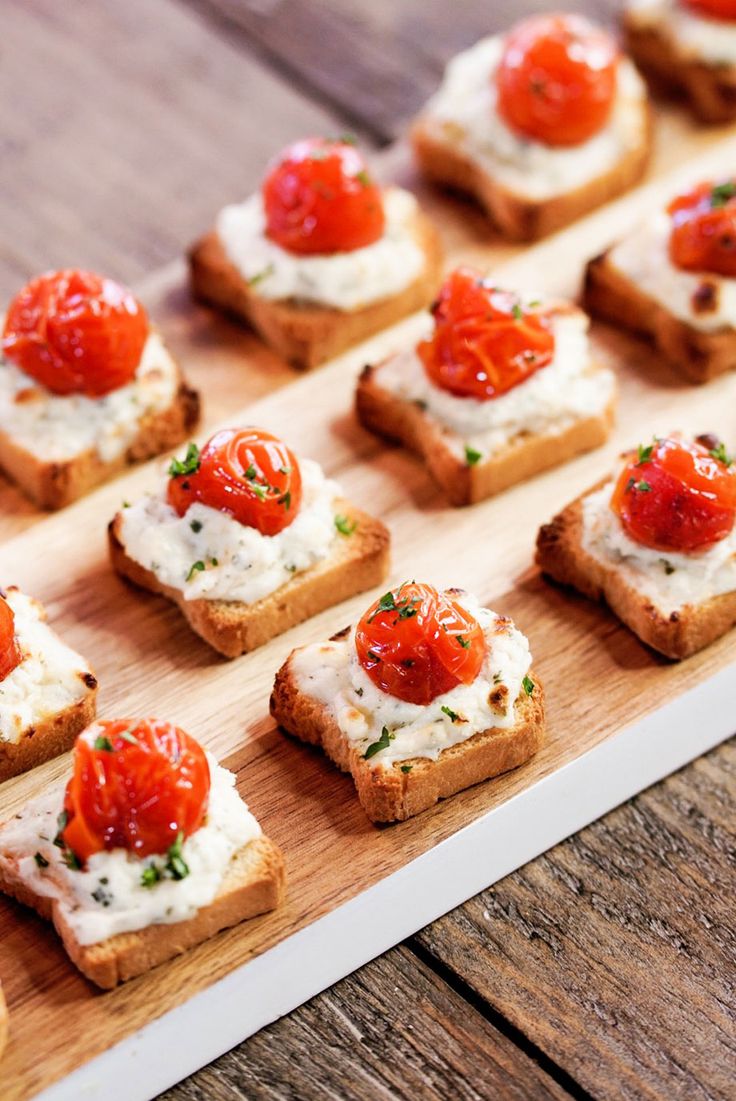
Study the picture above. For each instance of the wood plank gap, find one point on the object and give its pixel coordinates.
(495, 1018)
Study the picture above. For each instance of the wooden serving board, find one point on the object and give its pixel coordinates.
(619, 716)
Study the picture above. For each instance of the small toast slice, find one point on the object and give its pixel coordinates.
(54, 485)
(389, 794)
(696, 354)
(253, 884)
(358, 562)
(519, 217)
(561, 556)
(526, 455)
(709, 88)
(308, 334)
(51, 731)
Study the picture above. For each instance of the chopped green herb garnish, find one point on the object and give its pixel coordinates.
(528, 685)
(452, 715)
(407, 768)
(344, 525)
(196, 567)
(41, 860)
(196, 526)
(472, 456)
(188, 465)
(284, 470)
(176, 866)
(644, 453)
(374, 656)
(260, 276)
(150, 875)
(126, 504)
(61, 822)
(286, 500)
(721, 455)
(516, 312)
(535, 304)
(643, 487)
(497, 678)
(376, 747)
(363, 178)
(103, 743)
(721, 193)
(667, 566)
(463, 642)
(71, 860)
(250, 473)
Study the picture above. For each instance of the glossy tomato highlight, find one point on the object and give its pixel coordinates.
(703, 234)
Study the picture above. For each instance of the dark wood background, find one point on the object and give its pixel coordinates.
(603, 969)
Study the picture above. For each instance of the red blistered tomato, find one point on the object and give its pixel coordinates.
(703, 235)
(10, 655)
(556, 81)
(484, 342)
(416, 644)
(76, 333)
(676, 496)
(320, 198)
(244, 471)
(137, 785)
(717, 9)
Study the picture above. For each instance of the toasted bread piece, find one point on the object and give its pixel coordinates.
(696, 354)
(710, 89)
(386, 793)
(560, 555)
(384, 413)
(307, 334)
(253, 884)
(358, 562)
(516, 216)
(53, 485)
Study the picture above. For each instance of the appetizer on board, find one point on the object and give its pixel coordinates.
(656, 542)
(167, 858)
(248, 540)
(690, 47)
(540, 125)
(429, 694)
(321, 257)
(673, 279)
(87, 387)
(48, 692)
(500, 388)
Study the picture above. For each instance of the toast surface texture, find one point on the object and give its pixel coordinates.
(55, 735)
(518, 217)
(253, 884)
(697, 355)
(307, 334)
(526, 455)
(357, 562)
(53, 485)
(561, 556)
(388, 794)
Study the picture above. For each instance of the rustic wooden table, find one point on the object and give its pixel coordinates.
(604, 968)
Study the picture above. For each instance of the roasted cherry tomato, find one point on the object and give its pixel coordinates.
(484, 342)
(137, 784)
(10, 655)
(416, 644)
(556, 81)
(703, 236)
(320, 198)
(677, 496)
(76, 333)
(717, 9)
(244, 471)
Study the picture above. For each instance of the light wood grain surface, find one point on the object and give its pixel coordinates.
(155, 129)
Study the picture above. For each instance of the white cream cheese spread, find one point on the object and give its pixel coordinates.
(671, 580)
(237, 562)
(59, 427)
(108, 897)
(464, 113)
(549, 401)
(331, 673)
(703, 300)
(698, 36)
(343, 280)
(48, 680)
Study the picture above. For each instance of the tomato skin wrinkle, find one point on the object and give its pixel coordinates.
(484, 341)
(416, 643)
(247, 473)
(319, 198)
(556, 81)
(10, 653)
(76, 332)
(679, 498)
(136, 785)
(703, 228)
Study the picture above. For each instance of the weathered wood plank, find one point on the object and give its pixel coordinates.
(391, 1030)
(125, 127)
(615, 952)
(377, 59)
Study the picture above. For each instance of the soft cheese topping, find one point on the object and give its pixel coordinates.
(670, 580)
(549, 401)
(463, 111)
(237, 562)
(344, 280)
(331, 673)
(709, 39)
(704, 300)
(56, 427)
(50, 677)
(109, 896)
